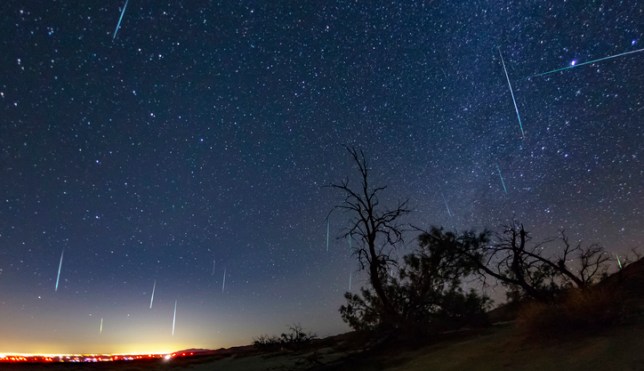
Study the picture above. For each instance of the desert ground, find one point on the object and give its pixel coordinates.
(500, 347)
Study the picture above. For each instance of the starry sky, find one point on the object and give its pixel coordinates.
(199, 136)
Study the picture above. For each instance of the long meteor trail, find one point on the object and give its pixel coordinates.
(589, 62)
(100, 328)
(174, 317)
(516, 108)
(118, 25)
(501, 176)
(153, 289)
(60, 266)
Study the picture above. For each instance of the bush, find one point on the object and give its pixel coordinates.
(295, 339)
(426, 295)
(266, 342)
(578, 311)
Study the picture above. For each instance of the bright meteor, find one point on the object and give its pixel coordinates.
(174, 317)
(118, 25)
(60, 266)
(589, 62)
(152, 297)
(516, 108)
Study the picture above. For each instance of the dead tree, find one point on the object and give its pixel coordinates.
(533, 268)
(376, 227)
(590, 262)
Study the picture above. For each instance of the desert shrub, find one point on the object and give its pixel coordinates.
(267, 342)
(294, 339)
(426, 295)
(577, 311)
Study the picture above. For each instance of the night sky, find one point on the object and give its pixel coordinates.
(199, 137)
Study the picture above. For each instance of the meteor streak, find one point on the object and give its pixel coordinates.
(118, 25)
(152, 297)
(516, 108)
(174, 317)
(327, 235)
(60, 266)
(449, 212)
(501, 176)
(223, 283)
(100, 328)
(589, 62)
(619, 262)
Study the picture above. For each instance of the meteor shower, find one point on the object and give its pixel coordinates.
(321, 185)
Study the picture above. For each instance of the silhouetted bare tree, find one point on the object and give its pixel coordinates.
(533, 268)
(376, 227)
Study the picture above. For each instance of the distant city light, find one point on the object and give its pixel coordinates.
(78, 358)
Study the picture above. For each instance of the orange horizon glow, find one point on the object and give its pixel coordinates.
(88, 358)
(9, 354)
(116, 349)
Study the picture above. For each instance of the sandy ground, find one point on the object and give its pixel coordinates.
(497, 348)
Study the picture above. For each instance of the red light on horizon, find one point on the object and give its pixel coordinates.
(76, 358)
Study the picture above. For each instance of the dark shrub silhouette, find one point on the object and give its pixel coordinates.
(294, 339)
(426, 294)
